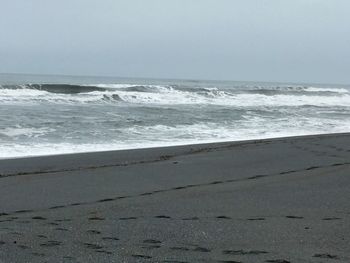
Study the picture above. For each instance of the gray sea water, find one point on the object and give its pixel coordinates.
(41, 115)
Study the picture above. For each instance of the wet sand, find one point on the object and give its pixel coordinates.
(279, 200)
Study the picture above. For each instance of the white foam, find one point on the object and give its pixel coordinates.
(165, 95)
(24, 140)
(317, 89)
(161, 135)
(28, 132)
(222, 98)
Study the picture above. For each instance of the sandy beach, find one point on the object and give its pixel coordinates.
(276, 200)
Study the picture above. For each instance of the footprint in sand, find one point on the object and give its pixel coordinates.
(51, 243)
(277, 261)
(150, 246)
(331, 218)
(57, 207)
(53, 224)
(163, 216)
(141, 256)
(201, 249)
(295, 217)
(106, 200)
(217, 182)
(75, 204)
(256, 219)
(23, 211)
(152, 241)
(243, 252)
(229, 261)
(149, 193)
(63, 220)
(96, 218)
(179, 188)
(92, 231)
(326, 256)
(257, 176)
(223, 217)
(38, 218)
(110, 238)
(92, 246)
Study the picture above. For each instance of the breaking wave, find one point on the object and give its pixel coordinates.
(42, 119)
(174, 95)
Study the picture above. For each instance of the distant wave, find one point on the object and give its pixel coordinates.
(56, 88)
(85, 88)
(296, 90)
(175, 94)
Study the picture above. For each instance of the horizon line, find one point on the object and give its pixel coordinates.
(170, 79)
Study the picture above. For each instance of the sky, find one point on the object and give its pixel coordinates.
(248, 40)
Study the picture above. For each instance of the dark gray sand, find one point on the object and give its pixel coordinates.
(281, 200)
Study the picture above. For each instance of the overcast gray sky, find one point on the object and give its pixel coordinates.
(267, 40)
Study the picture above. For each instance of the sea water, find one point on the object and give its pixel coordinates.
(42, 115)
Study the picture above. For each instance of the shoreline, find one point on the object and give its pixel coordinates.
(273, 200)
(209, 142)
(23, 165)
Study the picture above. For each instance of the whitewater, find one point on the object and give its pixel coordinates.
(43, 116)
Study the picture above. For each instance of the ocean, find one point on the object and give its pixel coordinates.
(44, 115)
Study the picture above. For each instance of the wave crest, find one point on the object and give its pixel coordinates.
(175, 95)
